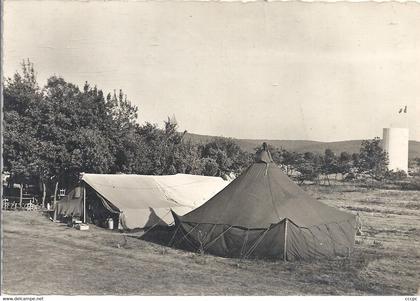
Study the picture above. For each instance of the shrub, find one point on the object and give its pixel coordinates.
(395, 175)
(411, 184)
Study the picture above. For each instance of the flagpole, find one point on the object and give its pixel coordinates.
(84, 203)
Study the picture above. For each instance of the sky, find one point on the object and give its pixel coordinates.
(261, 70)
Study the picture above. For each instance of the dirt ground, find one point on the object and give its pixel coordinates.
(42, 257)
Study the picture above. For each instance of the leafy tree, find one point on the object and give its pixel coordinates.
(345, 163)
(210, 167)
(153, 161)
(165, 151)
(76, 129)
(121, 128)
(90, 152)
(227, 154)
(291, 160)
(330, 164)
(187, 159)
(123, 113)
(22, 97)
(399, 175)
(310, 167)
(60, 130)
(56, 132)
(372, 159)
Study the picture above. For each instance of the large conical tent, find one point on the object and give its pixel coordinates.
(263, 214)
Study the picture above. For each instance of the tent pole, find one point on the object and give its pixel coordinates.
(20, 195)
(285, 241)
(84, 203)
(55, 200)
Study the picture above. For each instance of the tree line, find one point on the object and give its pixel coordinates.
(370, 162)
(54, 132)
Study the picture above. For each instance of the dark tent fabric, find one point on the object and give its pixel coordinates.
(71, 204)
(262, 213)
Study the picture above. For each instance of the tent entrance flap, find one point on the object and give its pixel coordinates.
(71, 204)
(107, 205)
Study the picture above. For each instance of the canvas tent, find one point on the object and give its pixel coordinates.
(139, 201)
(263, 214)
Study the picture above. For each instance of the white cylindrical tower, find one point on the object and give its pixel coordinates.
(395, 143)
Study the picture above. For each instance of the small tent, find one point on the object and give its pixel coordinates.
(263, 214)
(140, 201)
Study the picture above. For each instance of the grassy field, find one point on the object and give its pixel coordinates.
(41, 257)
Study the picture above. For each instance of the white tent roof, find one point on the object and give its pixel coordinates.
(147, 200)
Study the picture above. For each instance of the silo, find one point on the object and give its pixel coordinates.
(395, 143)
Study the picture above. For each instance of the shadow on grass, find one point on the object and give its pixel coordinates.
(166, 236)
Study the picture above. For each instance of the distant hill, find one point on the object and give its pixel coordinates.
(350, 146)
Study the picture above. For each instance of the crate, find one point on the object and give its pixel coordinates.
(82, 227)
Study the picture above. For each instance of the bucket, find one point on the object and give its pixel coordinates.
(110, 223)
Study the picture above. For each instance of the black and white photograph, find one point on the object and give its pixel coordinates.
(210, 148)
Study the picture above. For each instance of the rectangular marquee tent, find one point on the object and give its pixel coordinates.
(138, 201)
